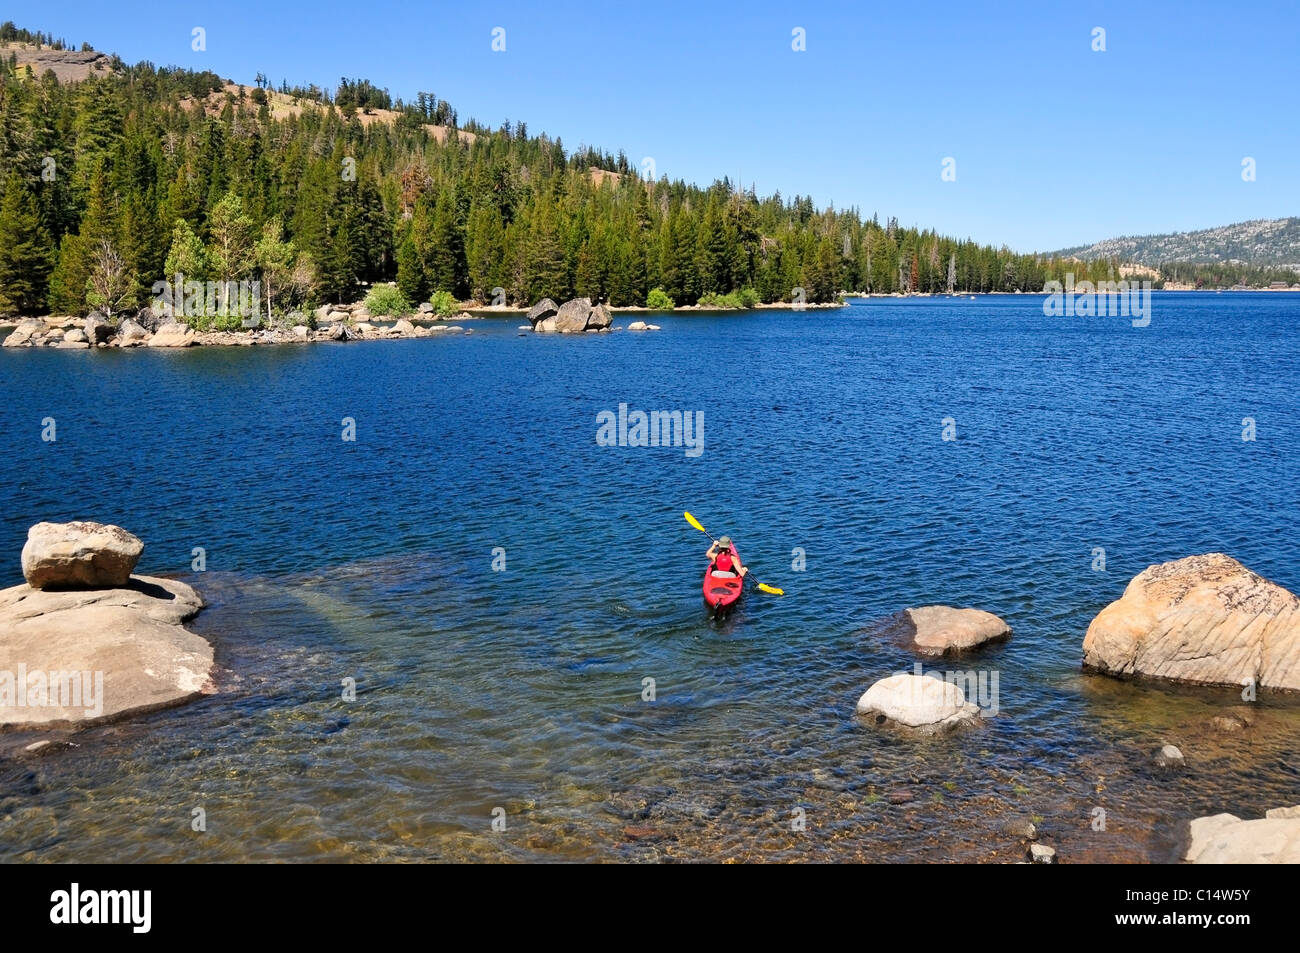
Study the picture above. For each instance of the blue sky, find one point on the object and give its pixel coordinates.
(1054, 144)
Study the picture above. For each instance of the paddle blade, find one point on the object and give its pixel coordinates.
(772, 589)
(696, 523)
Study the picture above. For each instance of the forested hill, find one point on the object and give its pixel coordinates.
(1262, 243)
(114, 180)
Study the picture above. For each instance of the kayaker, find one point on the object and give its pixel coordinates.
(723, 560)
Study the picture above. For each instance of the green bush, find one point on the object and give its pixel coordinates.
(444, 304)
(740, 298)
(658, 300)
(387, 301)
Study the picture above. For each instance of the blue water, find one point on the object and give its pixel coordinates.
(823, 431)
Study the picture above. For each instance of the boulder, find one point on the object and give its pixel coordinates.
(652, 327)
(1227, 839)
(94, 655)
(404, 327)
(25, 332)
(1204, 620)
(75, 336)
(79, 555)
(939, 630)
(97, 328)
(339, 332)
(173, 334)
(573, 315)
(323, 314)
(71, 345)
(152, 320)
(301, 332)
(541, 312)
(600, 318)
(918, 701)
(425, 307)
(1041, 854)
(1169, 758)
(637, 326)
(130, 334)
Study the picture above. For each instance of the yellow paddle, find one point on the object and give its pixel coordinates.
(762, 586)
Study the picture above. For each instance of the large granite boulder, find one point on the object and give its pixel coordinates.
(1227, 839)
(25, 333)
(1204, 620)
(173, 334)
(80, 554)
(542, 315)
(599, 318)
(921, 702)
(940, 630)
(97, 328)
(93, 655)
(131, 334)
(573, 315)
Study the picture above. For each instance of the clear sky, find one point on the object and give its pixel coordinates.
(1054, 144)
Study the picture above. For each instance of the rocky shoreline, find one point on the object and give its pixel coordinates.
(335, 322)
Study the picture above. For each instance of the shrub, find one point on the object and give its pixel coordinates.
(658, 300)
(444, 304)
(387, 301)
(740, 298)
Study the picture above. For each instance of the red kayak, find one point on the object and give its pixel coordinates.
(721, 590)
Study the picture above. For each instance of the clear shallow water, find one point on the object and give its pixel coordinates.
(522, 689)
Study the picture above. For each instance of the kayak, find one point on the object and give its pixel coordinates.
(721, 592)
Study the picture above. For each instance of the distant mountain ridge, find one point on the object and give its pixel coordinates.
(1262, 242)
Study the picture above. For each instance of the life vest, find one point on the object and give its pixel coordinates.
(723, 562)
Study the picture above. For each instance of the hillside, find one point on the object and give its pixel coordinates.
(1262, 243)
(68, 65)
(122, 175)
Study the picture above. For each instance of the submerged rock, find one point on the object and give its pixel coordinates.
(1206, 620)
(1227, 839)
(79, 555)
(920, 702)
(938, 630)
(1169, 758)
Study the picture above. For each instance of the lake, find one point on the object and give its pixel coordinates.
(517, 695)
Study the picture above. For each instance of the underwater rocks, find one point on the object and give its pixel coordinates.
(940, 630)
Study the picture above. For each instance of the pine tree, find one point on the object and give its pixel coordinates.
(25, 258)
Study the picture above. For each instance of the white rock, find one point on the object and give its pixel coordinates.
(918, 701)
(1227, 839)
